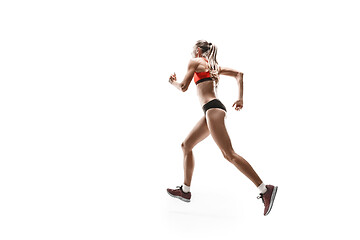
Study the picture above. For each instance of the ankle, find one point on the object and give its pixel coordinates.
(262, 188)
(185, 188)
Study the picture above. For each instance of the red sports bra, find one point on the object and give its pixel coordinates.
(202, 76)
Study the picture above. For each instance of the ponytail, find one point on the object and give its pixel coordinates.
(213, 64)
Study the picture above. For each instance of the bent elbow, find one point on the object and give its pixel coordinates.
(239, 74)
(183, 88)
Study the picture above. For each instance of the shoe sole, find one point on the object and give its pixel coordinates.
(272, 200)
(178, 197)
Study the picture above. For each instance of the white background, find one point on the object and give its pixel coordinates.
(91, 129)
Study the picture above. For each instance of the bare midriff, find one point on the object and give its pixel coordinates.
(206, 91)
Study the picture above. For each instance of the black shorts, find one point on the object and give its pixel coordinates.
(215, 103)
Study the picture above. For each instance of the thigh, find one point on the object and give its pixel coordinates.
(197, 134)
(216, 124)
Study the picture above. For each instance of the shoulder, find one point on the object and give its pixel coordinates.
(221, 69)
(194, 62)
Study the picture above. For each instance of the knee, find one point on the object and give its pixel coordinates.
(229, 155)
(185, 147)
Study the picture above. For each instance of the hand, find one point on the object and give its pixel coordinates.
(172, 78)
(238, 105)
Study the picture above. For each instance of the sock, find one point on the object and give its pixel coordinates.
(185, 188)
(262, 188)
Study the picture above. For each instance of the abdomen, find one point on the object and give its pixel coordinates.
(206, 91)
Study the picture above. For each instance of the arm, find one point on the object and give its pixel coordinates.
(184, 85)
(239, 79)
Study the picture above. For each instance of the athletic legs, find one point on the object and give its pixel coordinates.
(197, 134)
(216, 125)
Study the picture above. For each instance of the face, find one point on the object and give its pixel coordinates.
(195, 51)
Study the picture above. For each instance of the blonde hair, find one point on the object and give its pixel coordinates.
(209, 51)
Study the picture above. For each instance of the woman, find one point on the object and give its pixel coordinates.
(204, 68)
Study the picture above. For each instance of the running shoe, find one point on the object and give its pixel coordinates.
(268, 198)
(179, 193)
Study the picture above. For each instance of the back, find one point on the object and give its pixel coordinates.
(203, 65)
(206, 90)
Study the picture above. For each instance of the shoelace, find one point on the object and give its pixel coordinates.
(180, 188)
(261, 196)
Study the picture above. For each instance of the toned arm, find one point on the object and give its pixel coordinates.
(237, 75)
(184, 85)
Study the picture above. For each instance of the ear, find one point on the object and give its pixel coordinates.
(198, 51)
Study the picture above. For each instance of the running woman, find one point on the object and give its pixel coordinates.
(203, 67)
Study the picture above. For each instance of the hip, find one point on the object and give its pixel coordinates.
(214, 103)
